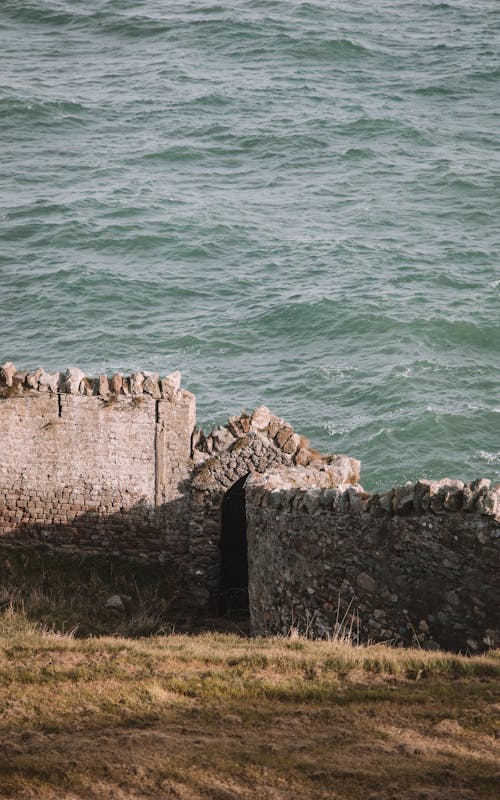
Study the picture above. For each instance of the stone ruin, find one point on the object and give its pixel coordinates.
(116, 465)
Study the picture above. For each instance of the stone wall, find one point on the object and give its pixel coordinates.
(98, 465)
(249, 443)
(116, 465)
(418, 564)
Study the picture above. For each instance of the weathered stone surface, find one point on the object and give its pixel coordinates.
(488, 503)
(303, 457)
(18, 381)
(386, 501)
(137, 383)
(49, 381)
(170, 385)
(445, 495)
(403, 500)
(283, 435)
(390, 576)
(261, 418)
(222, 438)
(473, 491)
(32, 378)
(421, 491)
(81, 475)
(103, 386)
(115, 603)
(343, 469)
(87, 387)
(291, 444)
(72, 380)
(116, 383)
(151, 385)
(7, 372)
(275, 423)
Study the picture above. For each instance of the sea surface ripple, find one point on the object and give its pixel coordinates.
(294, 203)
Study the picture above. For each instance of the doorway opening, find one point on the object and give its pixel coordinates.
(234, 555)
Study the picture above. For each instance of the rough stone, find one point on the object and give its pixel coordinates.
(7, 372)
(49, 381)
(222, 438)
(151, 385)
(103, 386)
(487, 503)
(170, 385)
(421, 490)
(291, 444)
(115, 603)
(403, 500)
(473, 491)
(283, 435)
(319, 550)
(87, 387)
(303, 457)
(73, 379)
(261, 418)
(32, 378)
(18, 380)
(117, 383)
(137, 383)
(386, 501)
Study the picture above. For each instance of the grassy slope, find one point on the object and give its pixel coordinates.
(218, 716)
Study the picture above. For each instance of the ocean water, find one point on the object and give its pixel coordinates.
(294, 203)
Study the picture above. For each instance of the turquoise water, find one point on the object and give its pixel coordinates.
(294, 203)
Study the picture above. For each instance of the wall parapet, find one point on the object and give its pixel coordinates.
(74, 381)
(324, 488)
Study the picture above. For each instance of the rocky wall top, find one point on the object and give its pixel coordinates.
(74, 381)
(270, 431)
(326, 487)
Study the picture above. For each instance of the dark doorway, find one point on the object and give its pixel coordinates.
(234, 557)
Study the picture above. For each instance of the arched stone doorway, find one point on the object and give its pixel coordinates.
(223, 460)
(233, 548)
(211, 483)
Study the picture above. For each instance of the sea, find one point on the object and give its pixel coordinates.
(296, 204)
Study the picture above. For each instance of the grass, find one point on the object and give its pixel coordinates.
(222, 716)
(98, 704)
(68, 593)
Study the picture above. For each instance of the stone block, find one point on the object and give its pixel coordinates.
(151, 385)
(170, 385)
(116, 383)
(103, 389)
(49, 381)
(260, 418)
(72, 379)
(7, 372)
(137, 383)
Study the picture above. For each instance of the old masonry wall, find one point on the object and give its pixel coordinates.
(117, 466)
(416, 565)
(95, 465)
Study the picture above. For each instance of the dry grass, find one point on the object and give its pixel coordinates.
(69, 593)
(224, 717)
